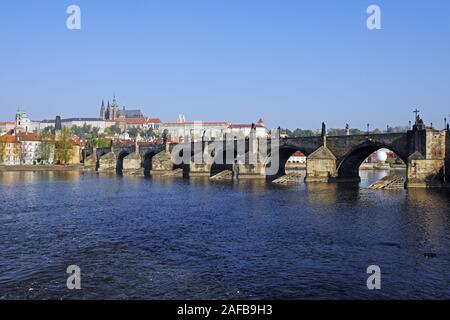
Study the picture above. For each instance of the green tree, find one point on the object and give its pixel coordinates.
(150, 133)
(165, 135)
(65, 146)
(133, 132)
(103, 143)
(288, 132)
(299, 133)
(83, 131)
(97, 142)
(46, 147)
(2, 150)
(114, 129)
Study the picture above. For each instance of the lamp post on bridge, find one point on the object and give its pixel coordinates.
(368, 128)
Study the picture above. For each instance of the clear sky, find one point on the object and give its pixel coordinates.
(294, 63)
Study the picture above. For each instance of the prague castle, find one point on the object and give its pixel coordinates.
(113, 112)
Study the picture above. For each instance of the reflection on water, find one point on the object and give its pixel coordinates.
(187, 239)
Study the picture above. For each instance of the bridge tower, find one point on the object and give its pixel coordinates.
(428, 163)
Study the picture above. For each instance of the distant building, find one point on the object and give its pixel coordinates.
(242, 131)
(23, 122)
(194, 131)
(297, 158)
(79, 122)
(113, 111)
(6, 127)
(30, 144)
(10, 150)
(138, 123)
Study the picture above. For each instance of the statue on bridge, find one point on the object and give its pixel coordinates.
(420, 125)
(324, 129)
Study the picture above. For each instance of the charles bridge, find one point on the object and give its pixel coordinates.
(425, 151)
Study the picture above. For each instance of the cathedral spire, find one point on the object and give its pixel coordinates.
(102, 110)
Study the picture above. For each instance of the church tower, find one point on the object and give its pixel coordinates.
(102, 111)
(114, 113)
(108, 112)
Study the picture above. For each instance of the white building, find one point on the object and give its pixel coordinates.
(242, 131)
(138, 123)
(79, 122)
(194, 131)
(30, 144)
(297, 158)
(23, 122)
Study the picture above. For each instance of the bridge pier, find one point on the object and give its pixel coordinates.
(251, 165)
(427, 165)
(423, 173)
(320, 166)
(199, 169)
(200, 164)
(162, 164)
(90, 162)
(132, 165)
(250, 171)
(108, 163)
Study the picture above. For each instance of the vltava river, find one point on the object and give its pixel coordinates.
(192, 239)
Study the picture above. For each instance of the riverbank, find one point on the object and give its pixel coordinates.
(34, 168)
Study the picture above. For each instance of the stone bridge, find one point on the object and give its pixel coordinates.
(426, 153)
(346, 153)
(111, 159)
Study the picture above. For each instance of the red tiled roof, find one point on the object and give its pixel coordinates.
(298, 154)
(241, 126)
(138, 120)
(8, 138)
(191, 123)
(4, 123)
(28, 136)
(147, 143)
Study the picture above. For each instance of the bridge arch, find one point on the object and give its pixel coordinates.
(285, 153)
(349, 165)
(221, 159)
(119, 166)
(100, 153)
(147, 162)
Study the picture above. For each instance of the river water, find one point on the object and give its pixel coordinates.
(136, 238)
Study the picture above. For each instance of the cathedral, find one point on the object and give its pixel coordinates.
(113, 111)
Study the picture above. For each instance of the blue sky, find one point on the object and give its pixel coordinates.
(294, 63)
